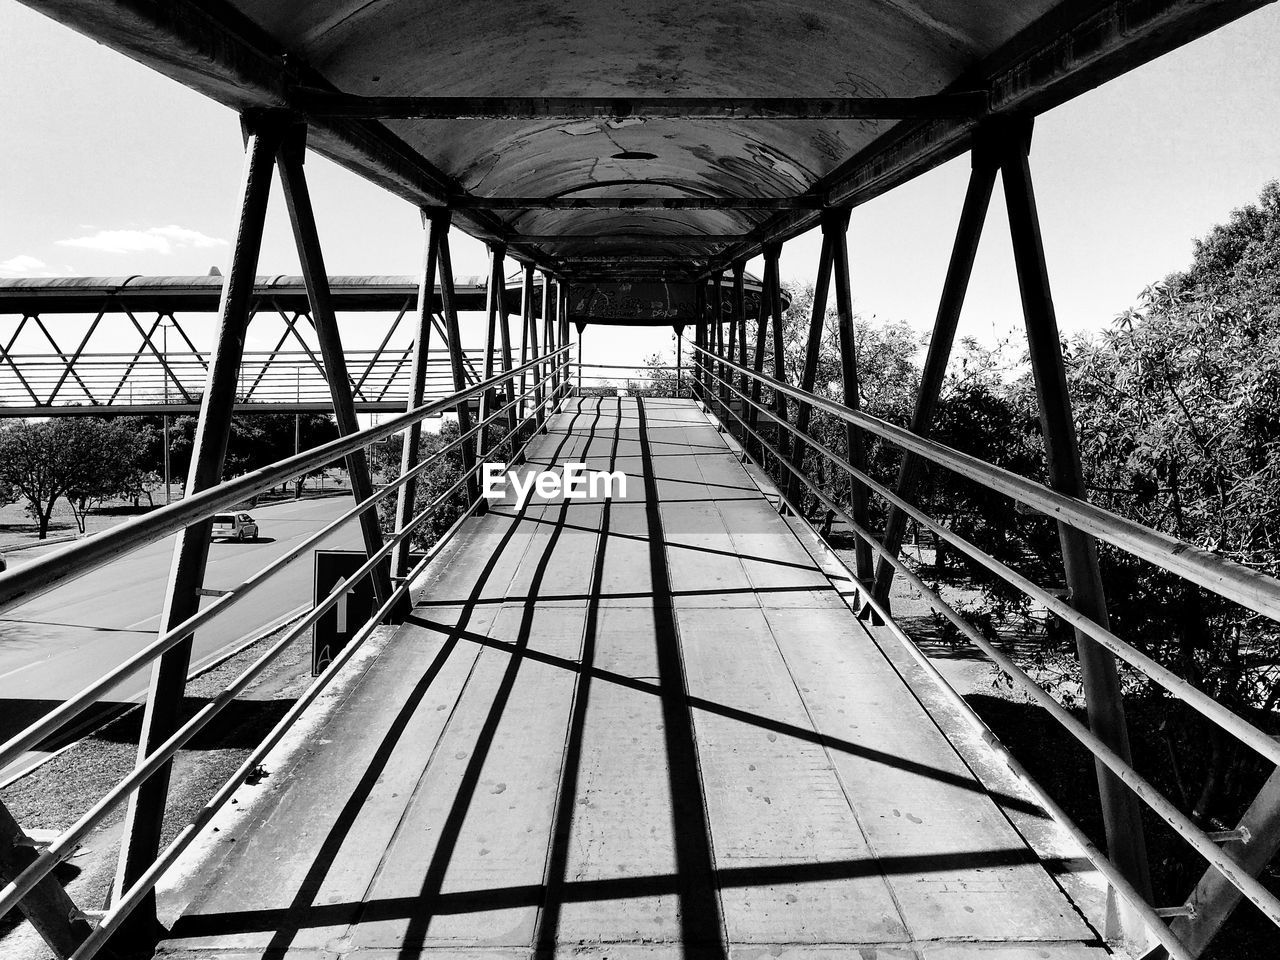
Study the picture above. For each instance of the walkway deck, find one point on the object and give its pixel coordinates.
(646, 728)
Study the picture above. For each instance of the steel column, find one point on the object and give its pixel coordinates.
(549, 305)
(855, 448)
(411, 445)
(772, 253)
(1121, 812)
(699, 340)
(453, 341)
(50, 910)
(738, 323)
(540, 413)
(813, 347)
(717, 329)
(976, 201)
(289, 162)
(527, 329)
(504, 327)
(141, 838)
(562, 319)
(757, 364)
(491, 305)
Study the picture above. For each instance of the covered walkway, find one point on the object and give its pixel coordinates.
(644, 727)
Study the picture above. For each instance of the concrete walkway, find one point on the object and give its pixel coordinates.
(643, 728)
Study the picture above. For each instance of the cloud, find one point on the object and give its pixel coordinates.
(161, 240)
(24, 266)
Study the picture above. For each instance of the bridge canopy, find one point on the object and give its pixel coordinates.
(652, 139)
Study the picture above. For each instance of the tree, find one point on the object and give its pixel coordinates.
(110, 455)
(48, 460)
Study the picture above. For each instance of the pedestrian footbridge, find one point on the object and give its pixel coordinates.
(647, 726)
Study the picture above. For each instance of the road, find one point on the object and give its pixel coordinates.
(58, 643)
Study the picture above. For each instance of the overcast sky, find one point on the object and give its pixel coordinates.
(107, 168)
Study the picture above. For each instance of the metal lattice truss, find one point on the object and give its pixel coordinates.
(143, 348)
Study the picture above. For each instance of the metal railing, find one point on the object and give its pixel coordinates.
(25, 582)
(1252, 589)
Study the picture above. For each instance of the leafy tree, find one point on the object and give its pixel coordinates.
(70, 457)
(110, 455)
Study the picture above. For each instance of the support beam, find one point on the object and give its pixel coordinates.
(973, 214)
(717, 332)
(1215, 897)
(773, 290)
(550, 302)
(289, 162)
(337, 105)
(527, 331)
(504, 328)
(491, 306)
(1121, 813)
(411, 442)
(453, 341)
(539, 370)
(813, 347)
(562, 318)
(699, 341)
(757, 366)
(48, 908)
(855, 446)
(141, 838)
(566, 202)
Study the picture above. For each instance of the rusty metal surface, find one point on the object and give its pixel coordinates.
(269, 54)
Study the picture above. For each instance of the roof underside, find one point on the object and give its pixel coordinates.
(715, 187)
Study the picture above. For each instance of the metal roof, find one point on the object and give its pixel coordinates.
(649, 138)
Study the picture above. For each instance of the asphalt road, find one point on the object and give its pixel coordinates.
(58, 643)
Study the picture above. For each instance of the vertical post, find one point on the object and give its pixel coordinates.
(1121, 814)
(539, 369)
(699, 338)
(717, 321)
(738, 335)
(526, 325)
(141, 839)
(757, 362)
(977, 199)
(813, 347)
(504, 326)
(679, 331)
(581, 327)
(772, 253)
(491, 307)
(562, 317)
(297, 196)
(854, 444)
(549, 304)
(411, 446)
(453, 336)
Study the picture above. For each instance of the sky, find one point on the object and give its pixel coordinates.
(109, 169)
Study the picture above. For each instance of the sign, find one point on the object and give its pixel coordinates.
(338, 625)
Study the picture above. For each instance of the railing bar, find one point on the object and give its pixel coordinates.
(1231, 722)
(1229, 579)
(57, 567)
(68, 710)
(1178, 821)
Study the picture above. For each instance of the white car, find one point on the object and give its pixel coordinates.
(234, 526)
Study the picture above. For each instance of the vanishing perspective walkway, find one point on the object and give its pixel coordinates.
(640, 727)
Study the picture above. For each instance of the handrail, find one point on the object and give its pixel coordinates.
(34, 578)
(1249, 886)
(42, 865)
(1197, 699)
(69, 709)
(1229, 579)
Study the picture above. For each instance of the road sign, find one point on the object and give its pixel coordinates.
(337, 626)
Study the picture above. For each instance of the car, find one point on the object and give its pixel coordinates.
(234, 526)
(3, 565)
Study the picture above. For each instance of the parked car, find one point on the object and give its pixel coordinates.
(234, 526)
